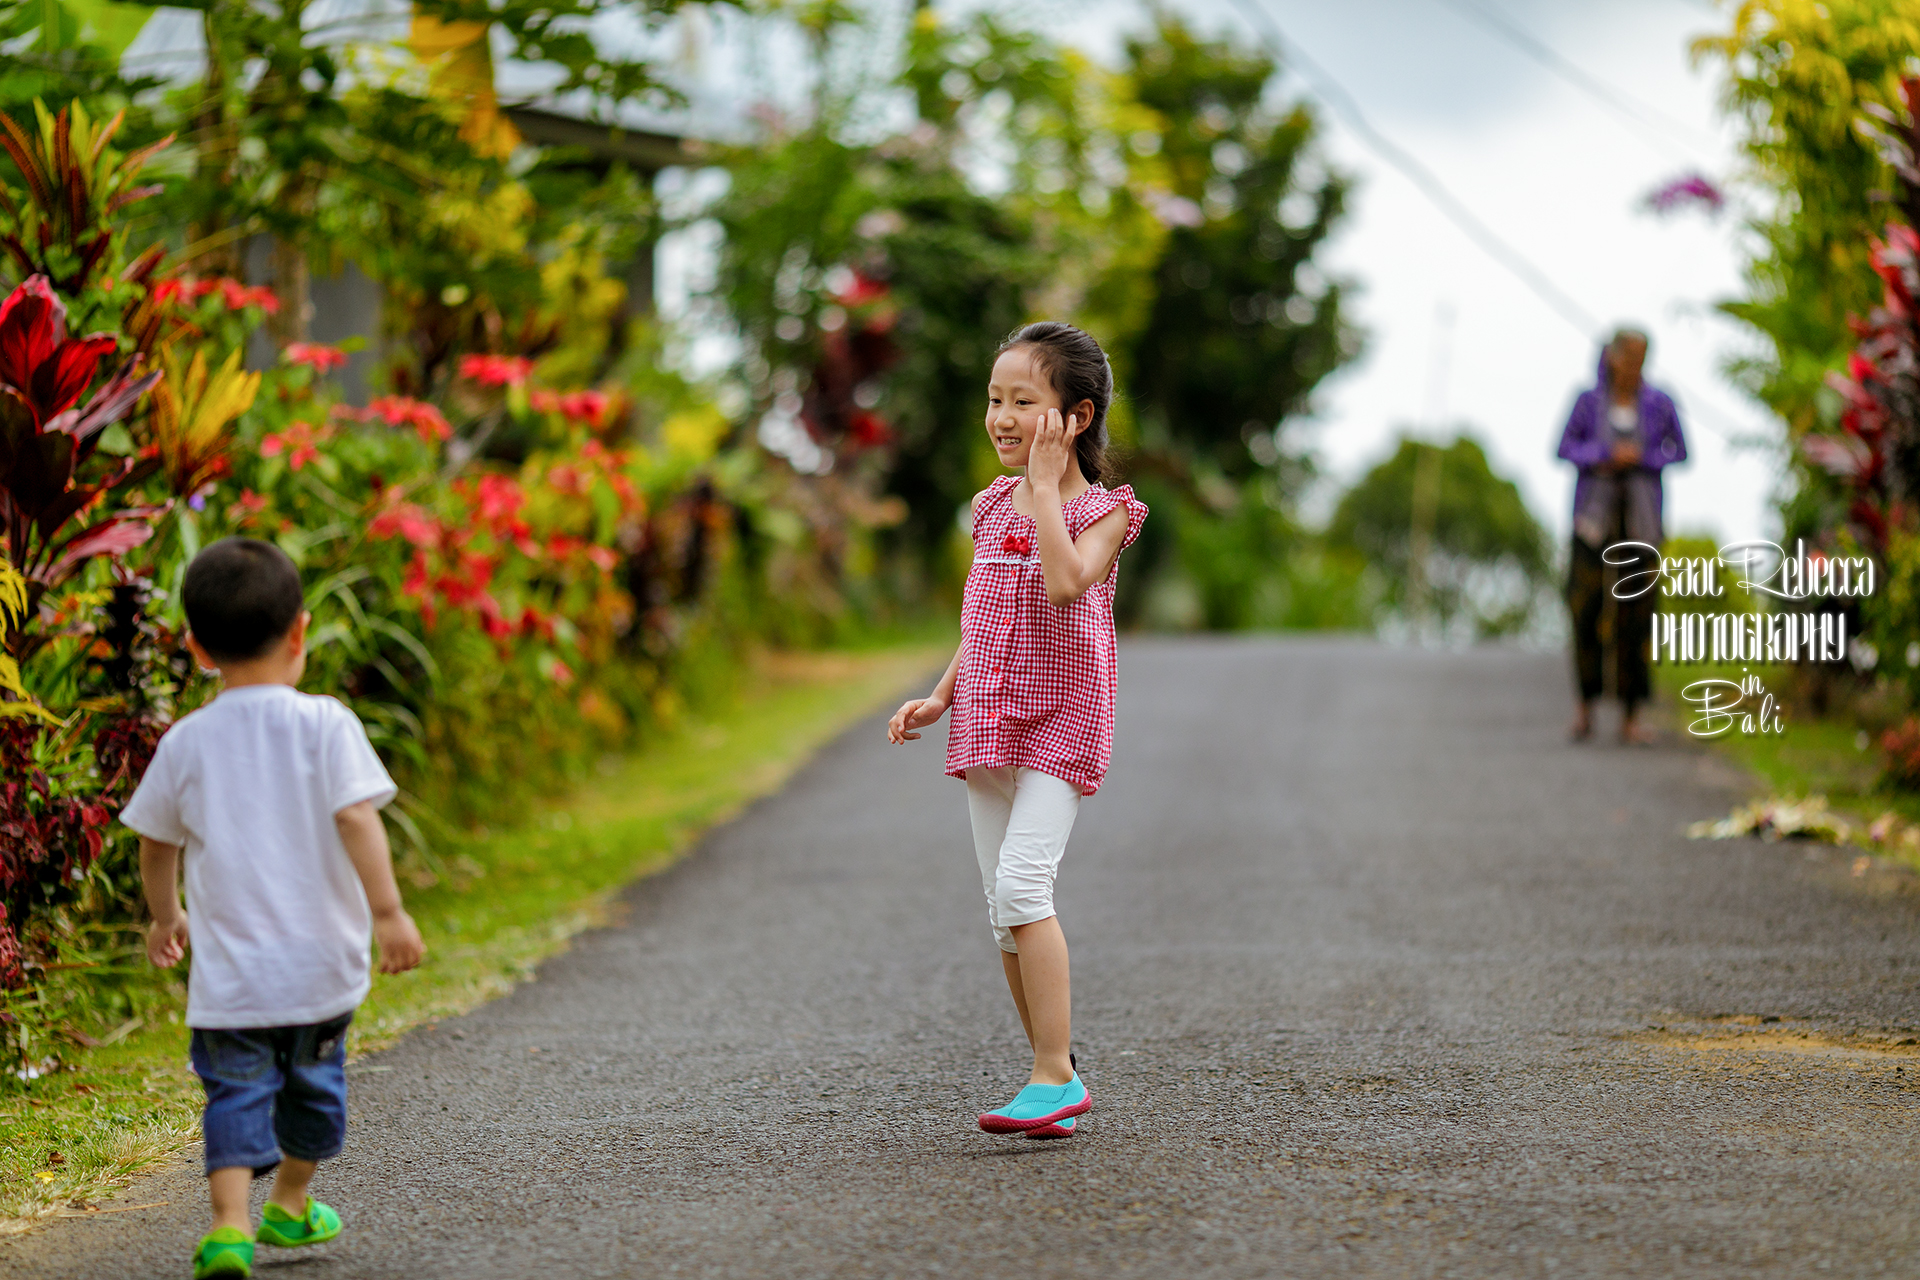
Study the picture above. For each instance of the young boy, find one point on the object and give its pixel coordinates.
(275, 797)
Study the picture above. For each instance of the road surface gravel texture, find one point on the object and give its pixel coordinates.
(1375, 975)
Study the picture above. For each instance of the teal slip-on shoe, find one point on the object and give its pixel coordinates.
(1039, 1105)
(1062, 1130)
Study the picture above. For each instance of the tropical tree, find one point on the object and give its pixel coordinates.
(1243, 325)
(1449, 537)
(1801, 77)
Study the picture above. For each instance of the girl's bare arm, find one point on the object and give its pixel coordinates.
(918, 713)
(1069, 566)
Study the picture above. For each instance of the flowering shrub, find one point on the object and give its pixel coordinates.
(504, 580)
(50, 436)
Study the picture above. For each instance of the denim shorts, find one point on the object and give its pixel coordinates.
(273, 1091)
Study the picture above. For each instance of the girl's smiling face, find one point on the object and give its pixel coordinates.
(1019, 393)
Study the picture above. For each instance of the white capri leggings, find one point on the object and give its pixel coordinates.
(1021, 821)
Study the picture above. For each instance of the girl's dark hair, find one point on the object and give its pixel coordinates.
(1078, 369)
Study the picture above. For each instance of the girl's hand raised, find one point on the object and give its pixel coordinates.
(1052, 450)
(917, 713)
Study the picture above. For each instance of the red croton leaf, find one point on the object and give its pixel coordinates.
(33, 323)
(58, 382)
(116, 535)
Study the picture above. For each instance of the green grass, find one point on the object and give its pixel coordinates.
(510, 900)
(1830, 755)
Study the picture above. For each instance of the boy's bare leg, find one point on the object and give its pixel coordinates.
(290, 1185)
(1011, 964)
(1048, 1008)
(228, 1187)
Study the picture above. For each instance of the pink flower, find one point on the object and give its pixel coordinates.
(316, 356)
(496, 371)
(1689, 189)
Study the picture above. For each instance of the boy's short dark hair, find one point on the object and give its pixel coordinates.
(241, 596)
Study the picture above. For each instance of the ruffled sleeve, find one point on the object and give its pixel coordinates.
(1097, 503)
(992, 494)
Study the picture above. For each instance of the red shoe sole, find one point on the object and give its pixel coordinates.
(1053, 1131)
(993, 1123)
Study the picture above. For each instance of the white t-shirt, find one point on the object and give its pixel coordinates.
(249, 785)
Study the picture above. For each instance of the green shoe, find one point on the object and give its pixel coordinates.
(278, 1227)
(226, 1252)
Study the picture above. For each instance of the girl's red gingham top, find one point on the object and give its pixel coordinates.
(1036, 681)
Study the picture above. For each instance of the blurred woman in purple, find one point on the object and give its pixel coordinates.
(1621, 434)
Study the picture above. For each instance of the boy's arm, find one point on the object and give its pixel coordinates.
(365, 838)
(160, 881)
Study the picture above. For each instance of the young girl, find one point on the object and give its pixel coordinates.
(1032, 684)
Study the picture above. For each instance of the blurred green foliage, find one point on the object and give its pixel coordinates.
(1486, 559)
(1168, 205)
(1801, 77)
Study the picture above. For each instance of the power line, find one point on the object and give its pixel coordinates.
(1644, 118)
(1328, 90)
(1342, 104)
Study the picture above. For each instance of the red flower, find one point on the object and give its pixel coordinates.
(588, 408)
(405, 411)
(1017, 544)
(238, 296)
(298, 442)
(534, 623)
(868, 430)
(409, 522)
(498, 497)
(247, 506)
(316, 356)
(863, 290)
(496, 371)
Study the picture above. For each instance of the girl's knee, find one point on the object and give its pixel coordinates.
(1022, 901)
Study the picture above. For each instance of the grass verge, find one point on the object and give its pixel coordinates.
(512, 899)
(1816, 755)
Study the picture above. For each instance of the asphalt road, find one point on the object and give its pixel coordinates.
(1375, 975)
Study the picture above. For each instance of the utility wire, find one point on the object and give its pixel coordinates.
(1644, 118)
(1328, 90)
(1342, 104)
